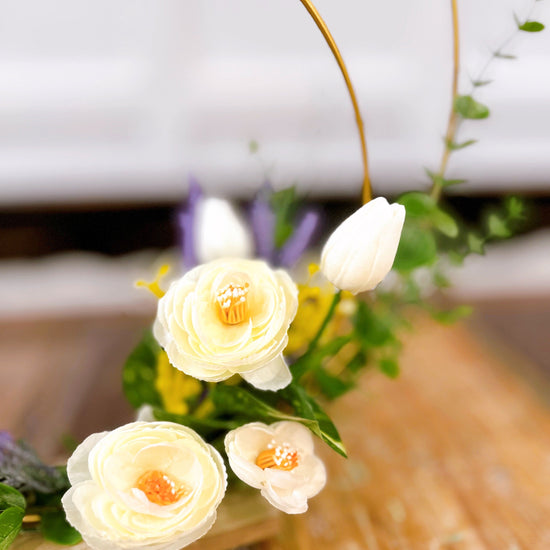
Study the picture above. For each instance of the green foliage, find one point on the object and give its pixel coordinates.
(55, 528)
(480, 83)
(205, 427)
(284, 204)
(423, 207)
(417, 248)
(139, 373)
(453, 146)
(389, 366)
(332, 386)
(467, 107)
(501, 55)
(371, 330)
(440, 181)
(531, 26)
(253, 405)
(497, 227)
(253, 146)
(450, 316)
(10, 497)
(318, 421)
(476, 243)
(11, 520)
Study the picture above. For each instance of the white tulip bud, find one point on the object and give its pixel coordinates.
(220, 232)
(361, 251)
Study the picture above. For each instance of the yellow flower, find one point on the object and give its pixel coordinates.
(314, 303)
(174, 387)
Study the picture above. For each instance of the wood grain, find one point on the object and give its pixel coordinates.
(454, 455)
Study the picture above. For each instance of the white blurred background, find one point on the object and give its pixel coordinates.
(107, 107)
(119, 101)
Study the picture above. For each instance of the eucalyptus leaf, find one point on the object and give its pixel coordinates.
(11, 521)
(531, 26)
(10, 497)
(55, 528)
(139, 373)
(467, 107)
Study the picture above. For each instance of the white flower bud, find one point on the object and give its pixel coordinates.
(361, 251)
(220, 233)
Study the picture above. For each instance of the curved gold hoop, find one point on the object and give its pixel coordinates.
(366, 193)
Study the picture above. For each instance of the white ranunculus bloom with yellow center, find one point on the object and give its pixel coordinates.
(153, 485)
(226, 317)
(279, 460)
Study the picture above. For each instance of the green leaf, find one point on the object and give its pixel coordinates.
(332, 386)
(457, 146)
(515, 208)
(498, 227)
(531, 26)
(417, 248)
(467, 107)
(479, 83)
(320, 424)
(501, 55)
(476, 243)
(55, 528)
(236, 400)
(448, 183)
(440, 281)
(371, 330)
(11, 521)
(139, 373)
(455, 257)
(284, 204)
(452, 315)
(203, 426)
(444, 223)
(253, 146)
(10, 497)
(389, 366)
(418, 205)
(357, 362)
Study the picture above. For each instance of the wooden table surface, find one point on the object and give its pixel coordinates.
(455, 454)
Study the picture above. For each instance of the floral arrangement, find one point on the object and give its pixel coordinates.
(233, 381)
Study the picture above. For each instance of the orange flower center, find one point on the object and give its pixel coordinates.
(160, 488)
(281, 457)
(232, 303)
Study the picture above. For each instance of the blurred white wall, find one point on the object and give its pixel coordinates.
(122, 100)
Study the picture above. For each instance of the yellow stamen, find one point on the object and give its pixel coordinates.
(232, 303)
(159, 488)
(281, 457)
(154, 286)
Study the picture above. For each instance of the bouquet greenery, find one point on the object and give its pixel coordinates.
(242, 360)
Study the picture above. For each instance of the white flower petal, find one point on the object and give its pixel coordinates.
(77, 465)
(273, 376)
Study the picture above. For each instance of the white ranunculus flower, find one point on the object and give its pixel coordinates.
(279, 460)
(229, 317)
(361, 251)
(219, 232)
(153, 485)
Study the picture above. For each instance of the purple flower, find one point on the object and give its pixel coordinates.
(262, 220)
(300, 239)
(186, 224)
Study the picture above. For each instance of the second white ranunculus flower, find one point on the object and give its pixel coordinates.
(153, 485)
(227, 317)
(361, 251)
(279, 460)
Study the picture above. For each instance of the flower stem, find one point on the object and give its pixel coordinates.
(330, 313)
(312, 10)
(452, 123)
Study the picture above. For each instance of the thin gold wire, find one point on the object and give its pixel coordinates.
(366, 193)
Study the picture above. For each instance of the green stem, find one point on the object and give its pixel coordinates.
(330, 313)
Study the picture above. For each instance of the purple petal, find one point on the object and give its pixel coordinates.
(300, 239)
(262, 220)
(186, 223)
